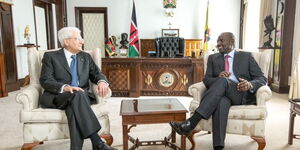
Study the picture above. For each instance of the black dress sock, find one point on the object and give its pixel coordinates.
(195, 119)
(95, 139)
(218, 148)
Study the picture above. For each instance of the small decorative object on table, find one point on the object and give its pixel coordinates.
(124, 42)
(27, 35)
(170, 32)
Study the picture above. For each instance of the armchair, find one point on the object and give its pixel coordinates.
(40, 124)
(169, 47)
(244, 119)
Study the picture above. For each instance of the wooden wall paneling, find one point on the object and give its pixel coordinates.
(3, 91)
(283, 71)
(193, 45)
(8, 47)
(147, 45)
(61, 14)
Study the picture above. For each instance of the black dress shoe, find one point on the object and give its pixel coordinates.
(104, 146)
(183, 128)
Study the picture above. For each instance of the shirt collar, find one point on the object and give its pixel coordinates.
(68, 54)
(231, 54)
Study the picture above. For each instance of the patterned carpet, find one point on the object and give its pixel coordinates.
(276, 129)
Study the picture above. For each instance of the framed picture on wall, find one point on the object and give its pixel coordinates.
(170, 32)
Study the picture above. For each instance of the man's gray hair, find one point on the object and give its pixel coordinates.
(66, 32)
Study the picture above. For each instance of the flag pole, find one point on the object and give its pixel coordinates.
(207, 31)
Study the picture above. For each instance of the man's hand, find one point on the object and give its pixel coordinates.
(70, 89)
(102, 88)
(244, 85)
(225, 74)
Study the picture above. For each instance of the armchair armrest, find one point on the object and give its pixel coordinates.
(29, 97)
(101, 100)
(196, 90)
(263, 94)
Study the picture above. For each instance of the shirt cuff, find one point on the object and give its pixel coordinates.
(102, 81)
(62, 88)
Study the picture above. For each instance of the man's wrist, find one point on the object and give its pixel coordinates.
(102, 81)
(251, 87)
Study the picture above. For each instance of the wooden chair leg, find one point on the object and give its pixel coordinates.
(108, 138)
(191, 139)
(29, 146)
(260, 141)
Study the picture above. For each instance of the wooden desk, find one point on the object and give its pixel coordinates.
(133, 77)
(152, 111)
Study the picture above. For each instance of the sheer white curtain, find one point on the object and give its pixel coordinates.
(245, 21)
(295, 79)
(251, 25)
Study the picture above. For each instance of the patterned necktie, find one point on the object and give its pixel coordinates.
(73, 68)
(226, 63)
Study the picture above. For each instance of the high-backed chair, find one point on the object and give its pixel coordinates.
(243, 119)
(169, 47)
(40, 124)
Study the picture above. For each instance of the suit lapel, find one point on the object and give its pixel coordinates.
(236, 61)
(62, 58)
(80, 61)
(220, 62)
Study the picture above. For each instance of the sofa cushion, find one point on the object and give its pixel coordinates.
(56, 115)
(247, 112)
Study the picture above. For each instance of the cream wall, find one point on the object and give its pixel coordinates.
(189, 18)
(22, 11)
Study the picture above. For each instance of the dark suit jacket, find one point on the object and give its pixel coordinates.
(244, 66)
(56, 72)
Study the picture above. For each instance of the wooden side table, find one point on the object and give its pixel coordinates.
(295, 110)
(27, 78)
(152, 111)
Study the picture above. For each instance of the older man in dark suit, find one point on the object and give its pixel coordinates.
(65, 76)
(232, 78)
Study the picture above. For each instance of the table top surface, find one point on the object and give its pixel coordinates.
(151, 106)
(295, 101)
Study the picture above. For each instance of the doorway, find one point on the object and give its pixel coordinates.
(92, 21)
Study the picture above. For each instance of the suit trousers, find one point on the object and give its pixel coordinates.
(216, 102)
(81, 119)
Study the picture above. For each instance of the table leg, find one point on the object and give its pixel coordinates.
(183, 142)
(125, 137)
(291, 128)
(173, 135)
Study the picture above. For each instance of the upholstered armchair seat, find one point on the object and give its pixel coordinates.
(44, 124)
(243, 119)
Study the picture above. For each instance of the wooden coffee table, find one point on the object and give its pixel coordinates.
(152, 111)
(295, 110)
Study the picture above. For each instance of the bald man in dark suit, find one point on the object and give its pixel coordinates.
(232, 78)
